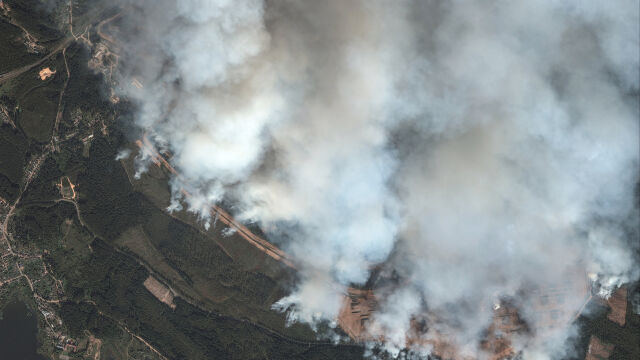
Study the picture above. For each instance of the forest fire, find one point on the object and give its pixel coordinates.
(359, 306)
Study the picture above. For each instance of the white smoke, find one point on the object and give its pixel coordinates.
(478, 148)
(123, 154)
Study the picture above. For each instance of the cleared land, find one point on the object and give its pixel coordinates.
(598, 350)
(618, 304)
(161, 292)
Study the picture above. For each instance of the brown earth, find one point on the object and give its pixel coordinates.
(598, 350)
(358, 305)
(67, 188)
(135, 240)
(93, 348)
(160, 291)
(221, 214)
(46, 73)
(618, 304)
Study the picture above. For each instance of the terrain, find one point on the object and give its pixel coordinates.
(90, 248)
(81, 237)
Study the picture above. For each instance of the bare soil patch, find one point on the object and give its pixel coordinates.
(598, 350)
(618, 304)
(160, 291)
(46, 73)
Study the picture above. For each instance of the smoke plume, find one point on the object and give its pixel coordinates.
(476, 149)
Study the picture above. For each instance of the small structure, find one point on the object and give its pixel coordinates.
(66, 344)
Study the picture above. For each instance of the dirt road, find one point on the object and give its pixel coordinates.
(17, 72)
(219, 213)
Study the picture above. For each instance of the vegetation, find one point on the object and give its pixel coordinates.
(103, 244)
(37, 17)
(13, 151)
(626, 339)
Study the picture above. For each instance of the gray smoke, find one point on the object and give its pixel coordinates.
(478, 149)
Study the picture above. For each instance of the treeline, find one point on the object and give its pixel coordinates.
(37, 17)
(114, 282)
(626, 339)
(108, 202)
